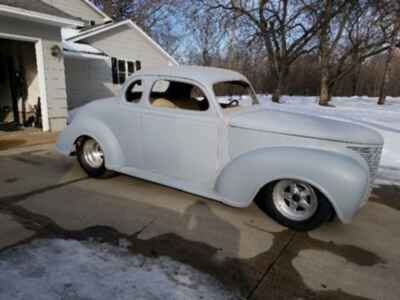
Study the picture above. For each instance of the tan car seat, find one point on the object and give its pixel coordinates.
(162, 102)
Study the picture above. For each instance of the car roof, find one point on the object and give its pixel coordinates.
(205, 75)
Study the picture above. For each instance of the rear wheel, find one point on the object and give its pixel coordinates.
(295, 204)
(91, 157)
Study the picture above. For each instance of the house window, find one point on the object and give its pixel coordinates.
(131, 67)
(122, 69)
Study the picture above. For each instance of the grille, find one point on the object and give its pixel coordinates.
(372, 156)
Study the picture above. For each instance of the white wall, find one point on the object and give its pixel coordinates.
(88, 79)
(127, 43)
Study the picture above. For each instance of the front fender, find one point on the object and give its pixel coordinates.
(97, 129)
(342, 177)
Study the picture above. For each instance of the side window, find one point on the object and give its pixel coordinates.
(131, 68)
(178, 95)
(121, 71)
(134, 92)
(138, 65)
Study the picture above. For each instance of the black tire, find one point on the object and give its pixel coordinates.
(324, 211)
(99, 171)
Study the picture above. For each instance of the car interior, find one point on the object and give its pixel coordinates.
(178, 95)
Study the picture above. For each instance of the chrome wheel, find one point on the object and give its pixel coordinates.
(295, 200)
(93, 154)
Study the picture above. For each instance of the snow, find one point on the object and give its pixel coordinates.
(362, 110)
(81, 48)
(68, 269)
(68, 33)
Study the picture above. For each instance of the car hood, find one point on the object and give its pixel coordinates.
(297, 124)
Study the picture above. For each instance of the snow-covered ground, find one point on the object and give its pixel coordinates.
(363, 110)
(68, 269)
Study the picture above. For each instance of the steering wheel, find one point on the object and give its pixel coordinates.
(233, 103)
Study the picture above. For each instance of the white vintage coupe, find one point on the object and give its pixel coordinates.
(202, 130)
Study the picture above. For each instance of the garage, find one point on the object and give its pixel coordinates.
(20, 101)
(32, 75)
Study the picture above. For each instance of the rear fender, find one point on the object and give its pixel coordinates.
(97, 129)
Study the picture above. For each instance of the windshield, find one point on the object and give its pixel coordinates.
(234, 95)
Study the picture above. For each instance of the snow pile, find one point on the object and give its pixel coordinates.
(363, 110)
(81, 48)
(67, 269)
(67, 33)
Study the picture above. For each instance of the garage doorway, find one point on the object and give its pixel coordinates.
(20, 88)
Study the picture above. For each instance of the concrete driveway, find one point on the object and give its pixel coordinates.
(44, 195)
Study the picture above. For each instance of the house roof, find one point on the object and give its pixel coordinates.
(90, 28)
(106, 27)
(39, 11)
(97, 10)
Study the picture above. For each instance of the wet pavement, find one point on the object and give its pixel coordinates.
(44, 195)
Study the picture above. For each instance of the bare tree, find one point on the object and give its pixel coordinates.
(284, 27)
(346, 40)
(392, 11)
(206, 33)
(305, 47)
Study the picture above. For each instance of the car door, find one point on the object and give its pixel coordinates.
(128, 127)
(181, 142)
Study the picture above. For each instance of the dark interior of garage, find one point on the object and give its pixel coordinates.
(19, 86)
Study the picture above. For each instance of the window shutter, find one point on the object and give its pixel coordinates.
(138, 65)
(121, 71)
(131, 68)
(114, 62)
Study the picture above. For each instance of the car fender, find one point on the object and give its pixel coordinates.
(343, 178)
(88, 125)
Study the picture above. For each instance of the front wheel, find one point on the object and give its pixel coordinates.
(295, 204)
(91, 157)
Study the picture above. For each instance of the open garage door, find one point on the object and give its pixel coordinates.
(20, 94)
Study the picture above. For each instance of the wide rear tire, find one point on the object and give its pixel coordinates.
(91, 157)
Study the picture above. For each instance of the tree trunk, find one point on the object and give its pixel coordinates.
(281, 84)
(325, 95)
(385, 79)
(355, 80)
(385, 76)
(387, 67)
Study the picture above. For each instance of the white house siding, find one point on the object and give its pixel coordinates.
(53, 67)
(88, 79)
(77, 8)
(127, 43)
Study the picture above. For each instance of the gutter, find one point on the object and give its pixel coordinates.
(43, 18)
